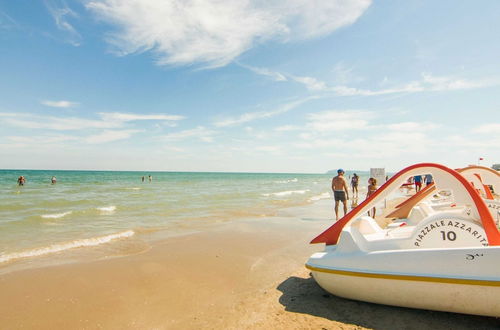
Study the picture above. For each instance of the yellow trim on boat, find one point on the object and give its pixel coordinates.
(405, 277)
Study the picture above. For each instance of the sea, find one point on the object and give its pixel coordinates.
(104, 214)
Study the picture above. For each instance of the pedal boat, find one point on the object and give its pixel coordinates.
(438, 255)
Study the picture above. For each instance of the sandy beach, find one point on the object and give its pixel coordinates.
(246, 274)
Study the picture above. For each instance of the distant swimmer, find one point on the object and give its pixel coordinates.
(53, 180)
(150, 178)
(340, 191)
(21, 180)
(143, 178)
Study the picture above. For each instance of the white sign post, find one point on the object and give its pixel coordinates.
(379, 174)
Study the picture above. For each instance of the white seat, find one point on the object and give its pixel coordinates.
(426, 208)
(367, 225)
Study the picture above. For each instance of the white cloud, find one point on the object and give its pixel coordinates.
(451, 83)
(31, 121)
(124, 117)
(216, 32)
(311, 83)
(200, 133)
(272, 149)
(37, 140)
(320, 143)
(287, 128)
(174, 149)
(410, 126)
(276, 76)
(7, 22)
(59, 104)
(428, 83)
(335, 120)
(475, 144)
(343, 74)
(493, 128)
(110, 135)
(61, 13)
(250, 116)
(109, 120)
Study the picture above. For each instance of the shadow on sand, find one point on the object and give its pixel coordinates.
(303, 295)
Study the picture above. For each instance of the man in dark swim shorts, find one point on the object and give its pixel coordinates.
(339, 196)
(340, 191)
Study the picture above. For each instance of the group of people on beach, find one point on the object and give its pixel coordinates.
(417, 181)
(341, 191)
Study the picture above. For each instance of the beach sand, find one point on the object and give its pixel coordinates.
(245, 274)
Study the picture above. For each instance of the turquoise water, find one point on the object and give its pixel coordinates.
(85, 209)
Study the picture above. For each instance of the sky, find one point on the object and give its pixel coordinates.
(301, 86)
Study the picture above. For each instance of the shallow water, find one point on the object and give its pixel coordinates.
(93, 208)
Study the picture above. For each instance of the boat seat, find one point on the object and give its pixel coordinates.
(426, 208)
(419, 212)
(397, 223)
(401, 232)
(367, 225)
(416, 215)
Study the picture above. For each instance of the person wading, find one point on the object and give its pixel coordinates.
(340, 191)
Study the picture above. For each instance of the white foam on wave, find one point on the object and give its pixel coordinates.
(324, 195)
(286, 193)
(56, 215)
(93, 241)
(133, 188)
(110, 208)
(287, 181)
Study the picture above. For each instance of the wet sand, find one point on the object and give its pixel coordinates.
(241, 275)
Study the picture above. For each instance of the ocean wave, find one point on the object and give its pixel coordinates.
(56, 215)
(324, 195)
(133, 188)
(287, 181)
(286, 193)
(110, 208)
(93, 241)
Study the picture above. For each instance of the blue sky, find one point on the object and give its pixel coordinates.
(248, 86)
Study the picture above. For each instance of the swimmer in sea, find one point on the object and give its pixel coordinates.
(21, 180)
(53, 180)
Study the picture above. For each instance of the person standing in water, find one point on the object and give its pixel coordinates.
(53, 180)
(21, 181)
(340, 191)
(150, 178)
(354, 184)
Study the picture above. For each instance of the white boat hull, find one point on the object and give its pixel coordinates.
(459, 296)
